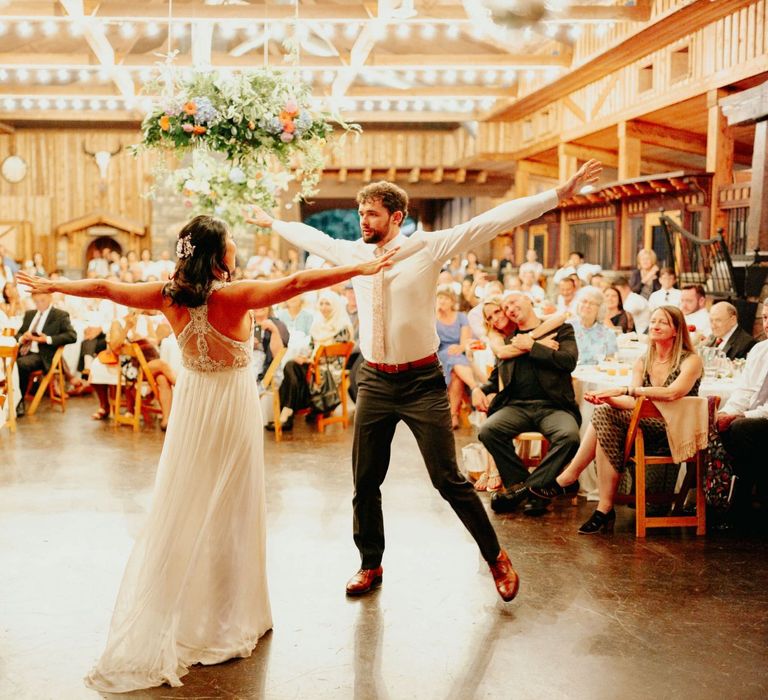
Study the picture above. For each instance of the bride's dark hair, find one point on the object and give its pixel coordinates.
(198, 268)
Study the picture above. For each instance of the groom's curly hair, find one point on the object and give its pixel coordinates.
(191, 281)
(392, 197)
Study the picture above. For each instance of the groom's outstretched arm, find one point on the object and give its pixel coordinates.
(311, 239)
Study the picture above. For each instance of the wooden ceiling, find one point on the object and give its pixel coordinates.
(385, 60)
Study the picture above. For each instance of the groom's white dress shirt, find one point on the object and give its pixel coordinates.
(409, 285)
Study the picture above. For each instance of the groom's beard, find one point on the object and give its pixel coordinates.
(373, 235)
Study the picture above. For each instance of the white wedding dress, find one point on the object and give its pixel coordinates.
(195, 587)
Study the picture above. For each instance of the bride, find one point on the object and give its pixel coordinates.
(195, 586)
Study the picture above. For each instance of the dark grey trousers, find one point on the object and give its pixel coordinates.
(417, 397)
(558, 426)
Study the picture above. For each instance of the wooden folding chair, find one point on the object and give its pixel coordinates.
(634, 452)
(143, 406)
(55, 372)
(268, 383)
(8, 355)
(332, 353)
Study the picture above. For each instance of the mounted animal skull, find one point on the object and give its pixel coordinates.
(102, 159)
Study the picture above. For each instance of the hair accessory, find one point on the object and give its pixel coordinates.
(184, 247)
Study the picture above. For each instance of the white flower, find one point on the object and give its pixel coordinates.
(184, 247)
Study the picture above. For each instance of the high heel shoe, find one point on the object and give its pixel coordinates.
(554, 490)
(599, 521)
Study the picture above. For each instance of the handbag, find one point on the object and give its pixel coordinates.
(325, 396)
(107, 357)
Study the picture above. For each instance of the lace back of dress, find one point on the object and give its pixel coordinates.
(204, 349)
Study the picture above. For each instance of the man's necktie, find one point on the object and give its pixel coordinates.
(377, 308)
(26, 346)
(761, 396)
(718, 342)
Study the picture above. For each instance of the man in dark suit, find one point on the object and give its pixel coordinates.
(531, 392)
(727, 335)
(41, 333)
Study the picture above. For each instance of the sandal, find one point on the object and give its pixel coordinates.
(494, 482)
(482, 483)
(101, 414)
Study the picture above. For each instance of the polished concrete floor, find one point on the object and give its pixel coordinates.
(672, 616)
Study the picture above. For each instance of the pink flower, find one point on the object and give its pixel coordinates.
(187, 202)
(187, 127)
(291, 107)
(285, 137)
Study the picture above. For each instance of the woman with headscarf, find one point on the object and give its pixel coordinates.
(331, 324)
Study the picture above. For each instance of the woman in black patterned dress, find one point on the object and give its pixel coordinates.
(670, 370)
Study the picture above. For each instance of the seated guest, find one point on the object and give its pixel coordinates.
(475, 314)
(593, 339)
(530, 392)
(446, 279)
(330, 325)
(530, 287)
(576, 266)
(454, 333)
(693, 303)
(295, 316)
(644, 279)
(598, 281)
(566, 300)
(634, 304)
(11, 304)
(727, 335)
(270, 336)
(531, 264)
(615, 315)
(467, 298)
(497, 340)
(667, 294)
(670, 370)
(743, 426)
(42, 332)
(135, 328)
(507, 263)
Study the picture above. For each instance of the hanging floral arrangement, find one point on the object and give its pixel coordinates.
(250, 135)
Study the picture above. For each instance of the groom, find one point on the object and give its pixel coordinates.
(401, 378)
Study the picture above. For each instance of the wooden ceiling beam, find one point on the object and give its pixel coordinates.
(668, 137)
(605, 156)
(639, 12)
(6, 129)
(465, 60)
(663, 31)
(97, 39)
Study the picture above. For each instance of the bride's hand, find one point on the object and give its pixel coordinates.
(372, 267)
(41, 285)
(259, 217)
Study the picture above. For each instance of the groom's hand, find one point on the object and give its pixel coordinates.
(256, 215)
(588, 174)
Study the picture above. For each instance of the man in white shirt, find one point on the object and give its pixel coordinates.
(401, 378)
(566, 299)
(743, 425)
(577, 266)
(668, 295)
(634, 304)
(693, 303)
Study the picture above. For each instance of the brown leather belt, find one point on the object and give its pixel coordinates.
(394, 369)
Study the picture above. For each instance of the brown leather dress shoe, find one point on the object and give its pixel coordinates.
(506, 578)
(365, 581)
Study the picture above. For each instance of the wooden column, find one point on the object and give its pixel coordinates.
(567, 164)
(757, 223)
(629, 153)
(719, 158)
(522, 189)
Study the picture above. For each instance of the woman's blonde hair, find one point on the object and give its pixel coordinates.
(491, 301)
(682, 339)
(650, 253)
(445, 290)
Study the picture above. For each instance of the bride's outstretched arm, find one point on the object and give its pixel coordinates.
(258, 294)
(144, 295)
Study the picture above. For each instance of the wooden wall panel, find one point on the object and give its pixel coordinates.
(63, 183)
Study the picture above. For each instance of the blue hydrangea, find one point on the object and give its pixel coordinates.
(206, 112)
(303, 121)
(274, 125)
